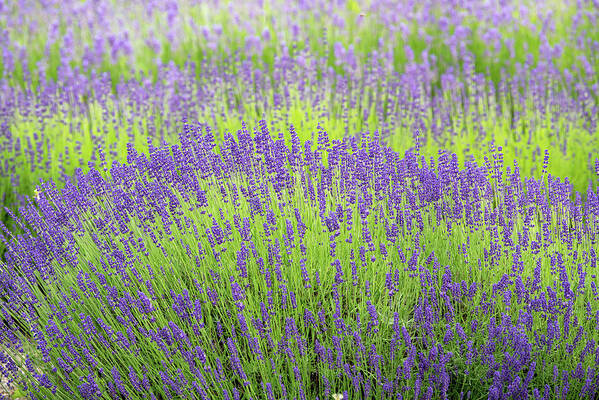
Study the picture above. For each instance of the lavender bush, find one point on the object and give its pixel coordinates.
(397, 68)
(68, 125)
(62, 37)
(264, 271)
(410, 214)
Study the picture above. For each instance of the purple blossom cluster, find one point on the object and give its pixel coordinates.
(76, 112)
(440, 257)
(51, 36)
(255, 267)
(96, 122)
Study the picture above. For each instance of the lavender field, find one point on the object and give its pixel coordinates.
(309, 200)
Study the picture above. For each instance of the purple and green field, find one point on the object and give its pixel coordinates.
(310, 200)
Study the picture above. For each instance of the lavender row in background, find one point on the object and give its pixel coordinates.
(526, 112)
(111, 36)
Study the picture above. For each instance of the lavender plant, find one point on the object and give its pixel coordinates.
(417, 219)
(50, 134)
(63, 37)
(253, 269)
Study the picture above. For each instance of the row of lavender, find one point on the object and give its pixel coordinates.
(259, 270)
(209, 90)
(112, 36)
(265, 266)
(50, 131)
(461, 104)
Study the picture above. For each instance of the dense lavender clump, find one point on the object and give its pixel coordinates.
(410, 212)
(462, 75)
(62, 39)
(47, 135)
(256, 269)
